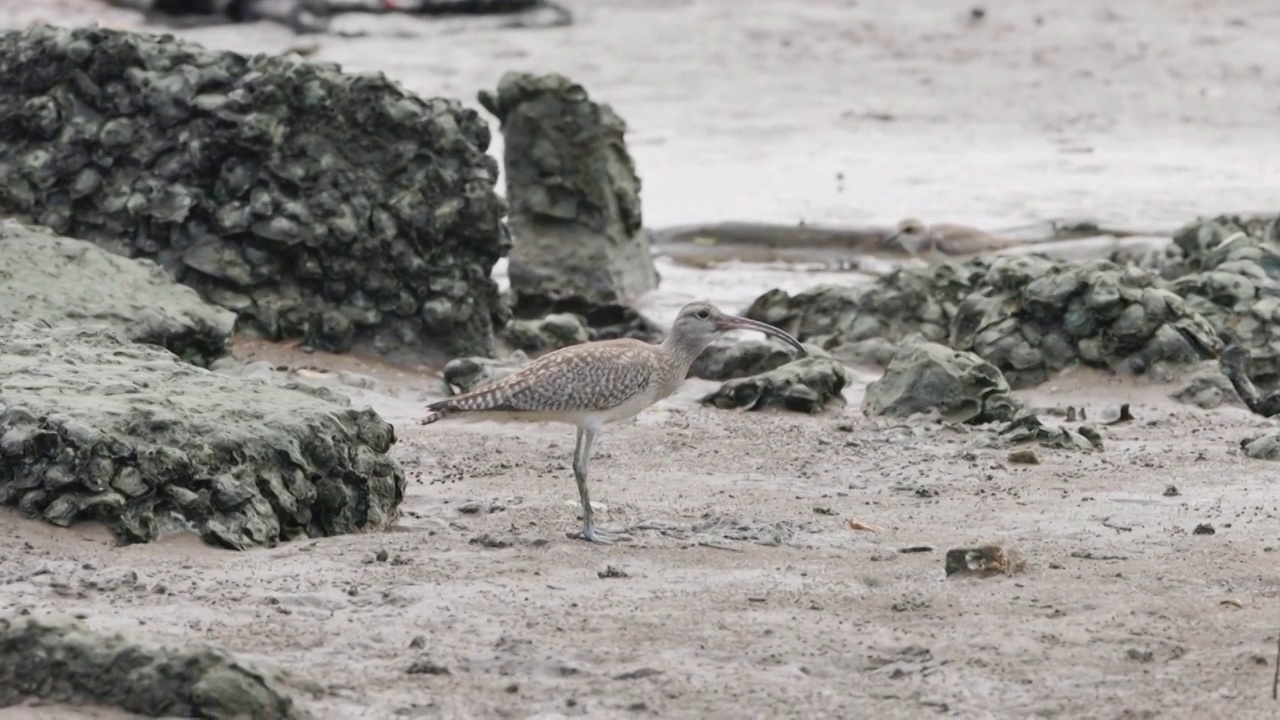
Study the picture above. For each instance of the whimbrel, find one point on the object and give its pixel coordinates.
(596, 383)
(937, 242)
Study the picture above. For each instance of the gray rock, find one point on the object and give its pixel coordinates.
(63, 661)
(1028, 427)
(1207, 387)
(550, 333)
(727, 359)
(574, 197)
(63, 281)
(926, 376)
(333, 207)
(805, 385)
(93, 426)
(462, 375)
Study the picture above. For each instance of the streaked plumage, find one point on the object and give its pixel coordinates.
(597, 383)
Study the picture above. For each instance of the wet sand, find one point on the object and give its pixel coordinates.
(1141, 115)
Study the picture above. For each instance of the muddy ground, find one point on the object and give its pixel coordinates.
(1139, 114)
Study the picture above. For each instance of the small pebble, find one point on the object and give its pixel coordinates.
(1024, 457)
(1203, 529)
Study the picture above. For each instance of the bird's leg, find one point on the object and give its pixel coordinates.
(581, 454)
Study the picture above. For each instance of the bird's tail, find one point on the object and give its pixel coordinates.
(438, 411)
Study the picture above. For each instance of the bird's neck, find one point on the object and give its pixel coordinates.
(682, 351)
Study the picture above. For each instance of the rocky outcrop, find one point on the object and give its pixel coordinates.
(65, 662)
(63, 281)
(929, 377)
(727, 359)
(574, 197)
(315, 204)
(95, 427)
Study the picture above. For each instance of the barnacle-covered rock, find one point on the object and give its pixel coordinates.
(334, 207)
(61, 660)
(574, 196)
(1027, 315)
(926, 376)
(95, 427)
(859, 324)
(62, 281)
(806, 385)
(1232, 278)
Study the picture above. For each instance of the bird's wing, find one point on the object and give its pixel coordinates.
(590, 377)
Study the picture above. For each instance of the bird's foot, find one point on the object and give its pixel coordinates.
(603, 536)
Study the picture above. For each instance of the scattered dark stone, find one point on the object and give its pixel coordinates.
(472, 508)
(926, 376)
(489, 541)
(1171, 491)
(94, 427)
(65, 662)
(1024, 456)
(638, 674)
(66, 281)
(1204, 529)
(612, 572)
(332, 207)
(986, 560)
(824, 511)
(418, 642)
(805, 386)
(1144, 656)
(426, 666)
(381, 556)
(916, 549)
(574, 196)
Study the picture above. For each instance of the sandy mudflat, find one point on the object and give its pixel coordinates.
(1141, 113)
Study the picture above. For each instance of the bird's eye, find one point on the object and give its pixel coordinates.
(702, 314)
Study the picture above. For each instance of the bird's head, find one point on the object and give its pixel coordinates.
(699, 323)
(909, 234)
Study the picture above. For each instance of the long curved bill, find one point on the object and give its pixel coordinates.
(733, 322)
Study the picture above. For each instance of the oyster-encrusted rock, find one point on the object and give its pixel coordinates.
(1231, 276)
(1035, 316)
(44, 277)
(574, 197)
(334, 207)
(63, 661)
(94, 426)
(926, 376)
